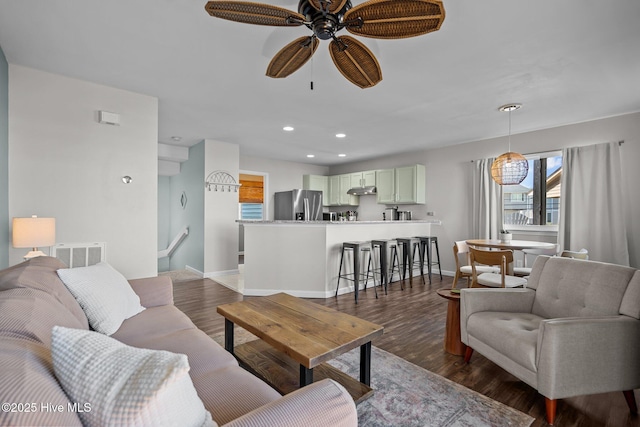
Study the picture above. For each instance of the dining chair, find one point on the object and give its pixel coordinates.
(501, 258)
(526, 271)
(581, 254)
(464, 271)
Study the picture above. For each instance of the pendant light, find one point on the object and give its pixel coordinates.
(510, 168)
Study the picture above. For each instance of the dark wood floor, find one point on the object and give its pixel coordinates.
(414, 321)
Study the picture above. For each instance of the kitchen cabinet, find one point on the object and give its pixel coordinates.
(319, 183)
(338, 187)
(363, 179)
(403, 185)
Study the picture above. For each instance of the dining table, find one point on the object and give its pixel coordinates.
(515, 245)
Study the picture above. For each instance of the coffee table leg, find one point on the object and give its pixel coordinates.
(306, 376)
(365, 363)
(228, 335)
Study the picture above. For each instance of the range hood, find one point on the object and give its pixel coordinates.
(362, 191)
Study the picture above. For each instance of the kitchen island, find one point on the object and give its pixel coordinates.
(302, 258)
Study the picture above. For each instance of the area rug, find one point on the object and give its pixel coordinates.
(408, 395)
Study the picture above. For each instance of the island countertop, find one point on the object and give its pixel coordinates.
(294, 222)
(302, 258)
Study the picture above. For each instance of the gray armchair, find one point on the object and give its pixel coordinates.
(574, 330)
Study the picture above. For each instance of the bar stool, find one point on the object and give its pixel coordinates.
(408, 245)
(384, 246)
(357, 248)
(426, 243)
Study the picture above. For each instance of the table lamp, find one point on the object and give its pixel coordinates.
(32, 233)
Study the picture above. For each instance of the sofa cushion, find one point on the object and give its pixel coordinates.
(40, 273)
(26, 377)
(103, 293)
(125, 385)
(515, 334)
(30, 314)
(167, 328)
(231, 392)
(568, 287)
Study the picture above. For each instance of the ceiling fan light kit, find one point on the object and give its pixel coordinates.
(381, 19)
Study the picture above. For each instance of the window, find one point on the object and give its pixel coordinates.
(251, 197)
(535, 201)
(251, 210)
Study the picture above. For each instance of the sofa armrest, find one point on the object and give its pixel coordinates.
(153, 291)
(325, 403)
(578, 356)
(506, 300)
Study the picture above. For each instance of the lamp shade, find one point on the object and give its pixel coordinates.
(509, 169)
(34, 232)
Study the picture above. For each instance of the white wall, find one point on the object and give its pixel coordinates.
(448, 177)
(220, 210)
(64, 164)
(283, 175)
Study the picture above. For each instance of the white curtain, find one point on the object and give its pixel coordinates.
(486, 212)
(591, 203)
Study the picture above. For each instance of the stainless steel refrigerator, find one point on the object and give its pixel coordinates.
(303, 205)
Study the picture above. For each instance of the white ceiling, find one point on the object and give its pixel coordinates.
(566, 61)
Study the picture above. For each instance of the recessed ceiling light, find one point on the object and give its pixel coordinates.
(342, 155)
(311, 155)
(340, 135)
(287, 128)
(176, 138)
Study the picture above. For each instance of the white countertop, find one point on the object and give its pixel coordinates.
(293, 222)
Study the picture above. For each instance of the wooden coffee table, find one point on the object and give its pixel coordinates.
(297, 337)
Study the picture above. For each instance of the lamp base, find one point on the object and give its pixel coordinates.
(33, 254)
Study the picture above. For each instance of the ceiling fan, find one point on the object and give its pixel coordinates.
(381, 19)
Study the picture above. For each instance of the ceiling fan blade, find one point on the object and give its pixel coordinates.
(254, 13)
(332, 6)
(355, 62)
(293, 56)
(395, 19)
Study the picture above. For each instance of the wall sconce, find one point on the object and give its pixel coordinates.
(32, 233)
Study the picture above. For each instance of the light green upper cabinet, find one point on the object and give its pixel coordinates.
(319, 183)
(386, 186)
(338, 187)
(334, 190)
(363, 179)
(403, 185)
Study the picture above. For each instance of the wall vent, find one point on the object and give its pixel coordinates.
(79, 254)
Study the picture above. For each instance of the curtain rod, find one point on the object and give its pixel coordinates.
(557, 149)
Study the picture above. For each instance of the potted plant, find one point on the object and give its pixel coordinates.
(505, 235)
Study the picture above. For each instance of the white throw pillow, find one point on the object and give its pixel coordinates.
(117, 385)
(103, 293)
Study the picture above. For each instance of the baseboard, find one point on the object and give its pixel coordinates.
(213, 274)
(193, 270)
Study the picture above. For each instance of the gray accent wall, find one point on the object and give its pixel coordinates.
(5, 240)
(190, 253)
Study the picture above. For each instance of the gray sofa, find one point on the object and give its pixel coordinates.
(574, 330)
(33, 300)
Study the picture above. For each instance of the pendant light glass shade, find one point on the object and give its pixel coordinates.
(510, 168)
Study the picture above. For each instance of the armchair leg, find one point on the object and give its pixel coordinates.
(631, 401)
(551, 405)
(467, 355)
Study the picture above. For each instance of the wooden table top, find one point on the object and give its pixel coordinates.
(309, 333)
(446, 293)
(516, 245)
